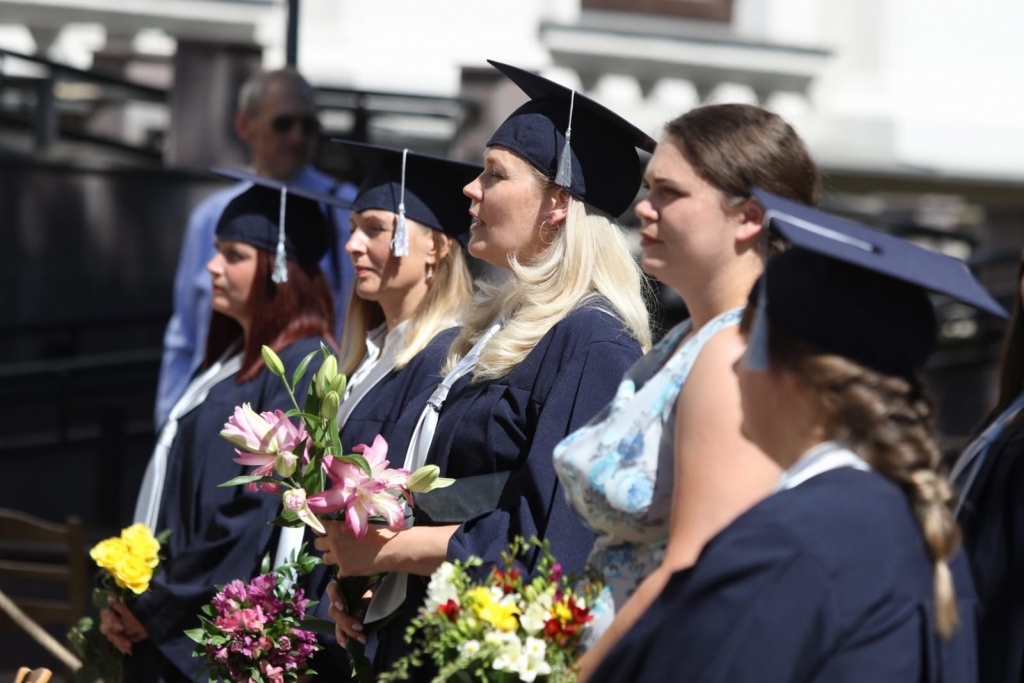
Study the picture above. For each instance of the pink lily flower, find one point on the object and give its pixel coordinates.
(264, 468)
(377, 458)
(344, 478)
(265, 433)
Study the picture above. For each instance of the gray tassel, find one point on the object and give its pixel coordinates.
(400, 243)
(280, 274)
(563, 177)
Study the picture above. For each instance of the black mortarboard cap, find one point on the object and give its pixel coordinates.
(854, 291)
(579, 144)
(425, 188)
(277, 217)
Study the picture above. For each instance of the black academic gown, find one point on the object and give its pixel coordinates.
(218, 534)
(992, 519)
(827, 581)
(513, 424)
(391, 408)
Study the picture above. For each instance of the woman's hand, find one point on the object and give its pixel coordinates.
(121, 627)
(350, 555)
(347, 625)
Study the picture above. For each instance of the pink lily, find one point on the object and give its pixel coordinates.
(377, 458)
(295, 501)
(264, 468)
(265, 433)
(344, 477)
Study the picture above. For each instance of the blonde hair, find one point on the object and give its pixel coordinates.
(450, 292)
(588, 258)
(886, 421)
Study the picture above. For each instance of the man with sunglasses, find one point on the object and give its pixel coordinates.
(277, 121)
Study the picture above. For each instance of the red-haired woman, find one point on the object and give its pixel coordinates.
(220, 534)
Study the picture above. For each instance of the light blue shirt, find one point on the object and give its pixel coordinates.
(185, 337)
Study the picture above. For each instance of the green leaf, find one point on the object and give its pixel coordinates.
(196, 634)
(357, 460)
(247, 479)
(300, 371)
(321, 626)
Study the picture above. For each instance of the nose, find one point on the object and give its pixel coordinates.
(474, 189)
(645, 211)
(355, 245)
(215, 266)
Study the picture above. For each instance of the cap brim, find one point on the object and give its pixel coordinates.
(814, 230)
(539, 88)
(245, 176)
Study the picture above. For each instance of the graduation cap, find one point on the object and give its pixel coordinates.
(277, 217)
(425, 188)
(854, 291)
(579, 144)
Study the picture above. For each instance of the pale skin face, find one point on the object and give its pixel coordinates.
(397, 284)
(688, 235)
(780, 413)
(512, 211)
(279, 154)
(232, 272)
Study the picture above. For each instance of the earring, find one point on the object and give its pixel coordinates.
(430, 272)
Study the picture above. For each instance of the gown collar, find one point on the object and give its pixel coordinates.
(825, 457)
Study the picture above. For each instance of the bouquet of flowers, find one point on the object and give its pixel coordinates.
(303, 462)
(504, 629)
(126, 564)
(253, 631)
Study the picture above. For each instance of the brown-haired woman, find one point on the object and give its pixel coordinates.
(665, 467)
(849, 571)
(220, 534)
(990, 479)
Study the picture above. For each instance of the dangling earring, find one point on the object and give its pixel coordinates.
(430, 272)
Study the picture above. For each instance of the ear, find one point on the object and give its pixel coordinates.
(243, 126)
(750, 218)
(438, 249)
(557, 204)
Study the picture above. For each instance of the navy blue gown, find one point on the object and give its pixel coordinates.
(827, 581)
(391, 409)
(513, 424)
(992, 519)
(218, 534)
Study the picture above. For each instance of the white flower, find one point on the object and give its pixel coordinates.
(533, 618)
(509, 655)
(441, 589)
(532, 662)
(470, 648)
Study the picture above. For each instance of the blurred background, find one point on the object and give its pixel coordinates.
(112, 110)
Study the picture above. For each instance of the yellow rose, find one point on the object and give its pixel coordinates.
(109, 552)
(132, 573)
(142, 544)
(500, 615)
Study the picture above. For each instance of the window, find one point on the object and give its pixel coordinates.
(718, 10)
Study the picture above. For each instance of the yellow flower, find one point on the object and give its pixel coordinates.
(109, 552)
(142, 544)
(561, 611)
(501, 615)
(133, 573)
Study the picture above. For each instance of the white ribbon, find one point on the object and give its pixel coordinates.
(147, 506)
(390, 595)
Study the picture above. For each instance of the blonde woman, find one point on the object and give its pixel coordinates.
(409, 226)
(850, 571)
(538, 355)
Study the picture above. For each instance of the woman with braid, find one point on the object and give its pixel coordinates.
(850, 571)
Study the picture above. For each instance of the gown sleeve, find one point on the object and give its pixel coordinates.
(532, 503)
(218, 534)
(754, 611)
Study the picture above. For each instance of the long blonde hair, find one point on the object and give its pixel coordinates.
(588, 258)
(450, 292)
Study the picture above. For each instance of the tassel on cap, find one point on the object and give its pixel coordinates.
(563, 178)
(280, 274)
(400, 243)
(757, 357)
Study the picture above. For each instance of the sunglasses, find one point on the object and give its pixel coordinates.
(284, 124)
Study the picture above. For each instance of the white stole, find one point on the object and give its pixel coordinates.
(147, 506)
(390, 595)
(825, 457)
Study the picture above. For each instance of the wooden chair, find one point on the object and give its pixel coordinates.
(34, 551)
(27, 675)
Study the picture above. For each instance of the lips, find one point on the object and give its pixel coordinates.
(477, 223)
(647, 240)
